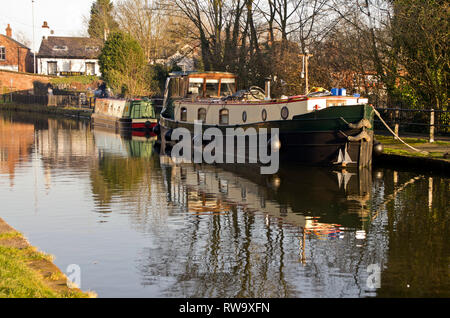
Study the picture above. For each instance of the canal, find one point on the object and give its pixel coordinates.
(137, 225)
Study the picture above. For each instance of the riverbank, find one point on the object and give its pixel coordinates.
(27, 273)
(436, 158)
(51, 110)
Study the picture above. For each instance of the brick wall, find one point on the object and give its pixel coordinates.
(21, 81)
(17, 56)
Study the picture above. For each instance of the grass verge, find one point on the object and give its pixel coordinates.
(435, 150)
(27, 273)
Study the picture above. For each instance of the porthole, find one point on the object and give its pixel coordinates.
(244, 116)
(284, 113)
(264, 115)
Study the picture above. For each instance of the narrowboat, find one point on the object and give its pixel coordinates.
(322, 128)
(121, 115)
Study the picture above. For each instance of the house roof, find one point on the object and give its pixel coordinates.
(70, 47)
(14, 41)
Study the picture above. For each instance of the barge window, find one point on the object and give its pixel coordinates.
(201, 114)
(183, 115)
(227, 86)
(2, 53)
(212, 88)
(264, 115)
(284, 113)
(223, 117)
(195, 87)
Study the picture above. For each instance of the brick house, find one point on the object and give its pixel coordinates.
(14, 56)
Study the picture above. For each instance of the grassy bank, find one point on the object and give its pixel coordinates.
(61, 111)
(436, 150)
(395, 153)
(27, 273)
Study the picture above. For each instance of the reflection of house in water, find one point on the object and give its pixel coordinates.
(16, 140)
(64, 144)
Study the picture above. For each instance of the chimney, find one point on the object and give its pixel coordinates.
(45, 30)
(8, 31)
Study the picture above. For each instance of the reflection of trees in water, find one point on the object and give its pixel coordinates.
(212, 258)
(128, 179)
(227, 250)
(418, 228)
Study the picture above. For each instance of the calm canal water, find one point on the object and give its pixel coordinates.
(140, 226)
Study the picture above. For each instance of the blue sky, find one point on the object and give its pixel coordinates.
(65, 17)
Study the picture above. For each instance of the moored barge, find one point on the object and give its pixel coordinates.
(121, 115)
(317, 129)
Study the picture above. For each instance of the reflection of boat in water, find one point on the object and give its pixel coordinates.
(128, 145)
(320, 129)
(322, 203)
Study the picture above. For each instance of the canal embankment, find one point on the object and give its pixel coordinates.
(50, 110)
(433, 157)
(26, 272)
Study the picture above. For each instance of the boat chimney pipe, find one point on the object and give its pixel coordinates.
(268, 88)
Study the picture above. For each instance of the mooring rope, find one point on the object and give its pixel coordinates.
(395, 135)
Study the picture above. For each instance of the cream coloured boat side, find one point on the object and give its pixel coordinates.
(253, 112)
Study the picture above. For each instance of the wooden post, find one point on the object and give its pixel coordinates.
(432, 126)
(307, 56)
(306, 76)
(397, 125)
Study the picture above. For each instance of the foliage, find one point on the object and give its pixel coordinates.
(19, 280)
(101, 19)
(159, 74)
(124, 67)
(420, 36)
(394, 51)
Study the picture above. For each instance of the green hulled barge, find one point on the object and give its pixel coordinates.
(317, 129)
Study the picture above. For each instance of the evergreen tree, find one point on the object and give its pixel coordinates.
(101, 20)
(124, 67)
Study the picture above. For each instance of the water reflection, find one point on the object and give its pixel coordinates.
(225, 231)
(16, 140)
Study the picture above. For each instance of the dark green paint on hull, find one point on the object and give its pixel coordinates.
(315, 138)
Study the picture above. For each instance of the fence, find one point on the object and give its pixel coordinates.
(429, 122)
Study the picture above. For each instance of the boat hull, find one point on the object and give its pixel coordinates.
(124, 124)
(322, 137)
(119, 115)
